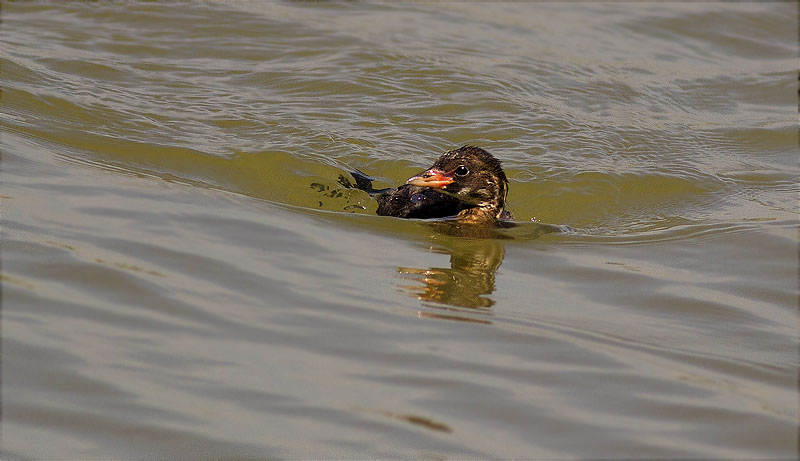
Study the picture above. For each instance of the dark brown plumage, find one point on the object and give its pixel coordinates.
(467, 183)
(475, 178)
(409, 201)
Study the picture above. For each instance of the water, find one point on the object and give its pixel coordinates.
(183, 275)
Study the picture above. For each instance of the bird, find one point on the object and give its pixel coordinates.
(474, 177)
(466, 184)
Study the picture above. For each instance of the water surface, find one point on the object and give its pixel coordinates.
(184, 275)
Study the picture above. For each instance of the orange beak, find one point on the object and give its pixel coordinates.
(431, 178)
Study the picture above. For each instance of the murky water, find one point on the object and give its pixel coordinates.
(183, 275)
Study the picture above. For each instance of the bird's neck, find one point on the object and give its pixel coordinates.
(479, 215)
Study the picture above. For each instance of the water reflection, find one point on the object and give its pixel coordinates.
(462, 291)
(467, 283)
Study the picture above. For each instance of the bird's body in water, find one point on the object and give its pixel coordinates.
(466, 184)
(409, 201)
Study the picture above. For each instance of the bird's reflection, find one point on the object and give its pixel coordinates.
(464, 288)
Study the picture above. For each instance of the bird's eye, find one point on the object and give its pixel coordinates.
(462, 170)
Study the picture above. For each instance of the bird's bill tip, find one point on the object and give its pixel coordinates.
(431, 178)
